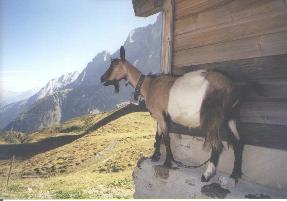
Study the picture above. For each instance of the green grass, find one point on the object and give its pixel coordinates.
(97, 166)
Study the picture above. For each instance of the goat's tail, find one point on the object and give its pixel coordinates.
(219, 106)
(212, 119)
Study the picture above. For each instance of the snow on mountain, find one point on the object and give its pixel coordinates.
(135, 62)
(83, 76)
(131, 36)
(106, 55)
(56, 84)
(94, 69)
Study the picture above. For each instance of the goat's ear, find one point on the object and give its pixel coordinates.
(122, 53)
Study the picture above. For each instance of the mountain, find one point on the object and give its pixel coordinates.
(11, 111)
(85, 93)
(56, 85)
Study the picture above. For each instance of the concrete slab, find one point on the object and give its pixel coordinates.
(152, 180)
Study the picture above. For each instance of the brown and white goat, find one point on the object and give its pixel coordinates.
(199, 99)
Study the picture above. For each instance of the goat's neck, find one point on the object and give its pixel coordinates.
(133, 76)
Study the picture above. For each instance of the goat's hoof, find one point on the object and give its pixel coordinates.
(236, 175)
(167, 164)
(203, 179)
(155, 157)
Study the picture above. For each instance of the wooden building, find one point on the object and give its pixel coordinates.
(247, 39)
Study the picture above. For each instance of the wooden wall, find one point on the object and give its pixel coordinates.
(248, 40)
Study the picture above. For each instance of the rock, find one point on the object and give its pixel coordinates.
(226, 182)
(214, 190)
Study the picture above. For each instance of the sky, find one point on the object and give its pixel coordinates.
(42, 39)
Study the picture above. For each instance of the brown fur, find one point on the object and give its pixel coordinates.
(212, 118)
(215, 108)
(158, 93)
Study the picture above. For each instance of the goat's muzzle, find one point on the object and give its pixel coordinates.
(103, 79)
(106, 82)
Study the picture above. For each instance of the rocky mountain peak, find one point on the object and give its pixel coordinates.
(56, 84)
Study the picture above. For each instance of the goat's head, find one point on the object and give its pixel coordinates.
(116, 71)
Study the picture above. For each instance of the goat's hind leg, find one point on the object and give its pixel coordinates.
(211, 168)
(238, 150)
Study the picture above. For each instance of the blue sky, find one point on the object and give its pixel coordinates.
(42, 39)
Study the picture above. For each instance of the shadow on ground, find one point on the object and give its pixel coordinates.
(30, 149)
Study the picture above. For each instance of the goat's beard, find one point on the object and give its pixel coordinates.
(116, 86)
(115, 83)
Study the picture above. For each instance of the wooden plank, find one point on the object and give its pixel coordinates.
(212, 17)
(232, 31)
(230, 12)
(269, 68)
(271, 136)
(264, 112)
(274, 91)
(167, 36)
(187, 7)
(265, 45)
(144, 8)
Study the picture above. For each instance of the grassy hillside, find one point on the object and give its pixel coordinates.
(8, 137)
(95, 165)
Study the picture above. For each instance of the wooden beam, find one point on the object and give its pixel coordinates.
(167, 36)
(267, 24)
(232, 13)
(258, 46)
(187, 7)
(252, 69)
(144, 8)
(271, 136)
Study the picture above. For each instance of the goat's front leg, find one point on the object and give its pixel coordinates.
(164, 127)
(169, 156)
(156, 154)
(163, 131)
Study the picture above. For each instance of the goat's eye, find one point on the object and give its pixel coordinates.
(115, 62)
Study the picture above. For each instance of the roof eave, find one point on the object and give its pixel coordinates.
(145, 8)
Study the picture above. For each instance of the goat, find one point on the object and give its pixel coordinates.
(199, 99)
